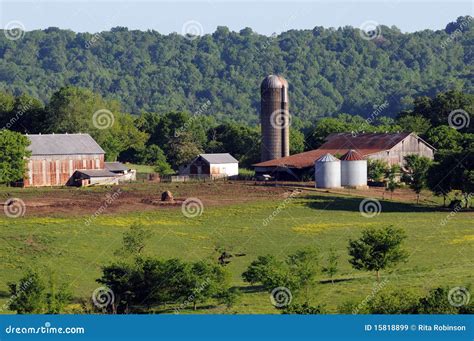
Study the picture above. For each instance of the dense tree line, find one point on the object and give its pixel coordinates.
(329, 70)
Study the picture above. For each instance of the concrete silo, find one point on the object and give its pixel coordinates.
(327, 172)
(275, 118)
(353, 169)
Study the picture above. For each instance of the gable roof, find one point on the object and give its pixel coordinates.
(340, 143)
(63, 144)
(218, 158)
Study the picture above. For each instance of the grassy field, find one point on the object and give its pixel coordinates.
(439, 254)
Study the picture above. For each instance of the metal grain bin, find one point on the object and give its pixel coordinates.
(353, 169)
(327, 172)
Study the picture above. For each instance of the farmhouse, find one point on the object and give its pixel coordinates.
(63, 159)
(216, 165)
(390, 147)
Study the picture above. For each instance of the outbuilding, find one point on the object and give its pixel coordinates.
(215, 165)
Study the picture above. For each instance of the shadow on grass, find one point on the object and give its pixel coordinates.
(4, 294)
(250, 289)
(336, 280)
(337, 203)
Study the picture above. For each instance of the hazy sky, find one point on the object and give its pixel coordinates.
(264, 17)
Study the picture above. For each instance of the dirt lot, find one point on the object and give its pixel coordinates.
(137, 197)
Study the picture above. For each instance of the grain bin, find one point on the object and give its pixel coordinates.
(327, 172)
(353, 169)
(275, 118)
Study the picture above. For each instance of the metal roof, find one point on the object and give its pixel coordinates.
(351, 155)
(97, 173)
(274, 82)
(327, 158)
(63, 144)
(340, 143)
(219, 158)
(116, 166)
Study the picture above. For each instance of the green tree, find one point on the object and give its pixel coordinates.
(13, 154)
(445, 137)
(377, 169)
(28, 295)
(417, 172)
(392, 183)
(134, 240)
(331, 266)
(414, 123)
(377, 249)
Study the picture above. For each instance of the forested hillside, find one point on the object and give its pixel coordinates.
(330, 71)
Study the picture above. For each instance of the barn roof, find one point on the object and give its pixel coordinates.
(63, 144)
(340, 143)
(97, 173)
(218, 158)
(116, 166)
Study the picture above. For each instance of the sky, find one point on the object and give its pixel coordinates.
(201, 17)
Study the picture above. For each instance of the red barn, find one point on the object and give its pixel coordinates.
(56, 157)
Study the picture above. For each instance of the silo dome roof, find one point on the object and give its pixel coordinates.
(352, 155)
(327, 158)
(274, 82)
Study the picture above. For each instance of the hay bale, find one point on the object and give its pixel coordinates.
(167, 196)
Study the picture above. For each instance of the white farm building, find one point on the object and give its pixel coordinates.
(214, 165)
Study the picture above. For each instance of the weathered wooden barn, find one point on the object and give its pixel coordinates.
(390, 147)
(56, 157)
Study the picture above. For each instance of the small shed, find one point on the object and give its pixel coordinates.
(88, 177)
(124, 172)
(218, 164)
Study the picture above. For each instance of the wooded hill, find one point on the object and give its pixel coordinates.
(330, 71)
